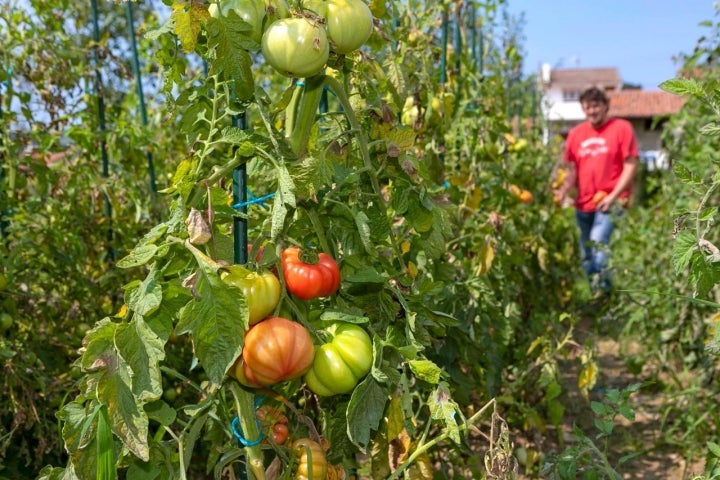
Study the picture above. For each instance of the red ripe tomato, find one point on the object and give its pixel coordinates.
(274, 422)
(309, 280)
(275, 350)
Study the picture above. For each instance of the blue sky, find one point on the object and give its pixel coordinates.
(639, 37)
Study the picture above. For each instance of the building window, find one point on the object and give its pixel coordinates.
(571, 95)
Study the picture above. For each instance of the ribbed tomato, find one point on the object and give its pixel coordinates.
(260, 289)
(309, 280)
(311, 459)
(342, 362)
(349, 23)
(295, 47)
(276, 350)
(251, 12)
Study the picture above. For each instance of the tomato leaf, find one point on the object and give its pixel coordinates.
(113, 383)
(682, 251)
(138, 256)
(217, 320)
(187, 24)
(233, 62)
(683, 86)
(365, 411)
(426, 370)
(143, 351)
(442, 408)
(145, 297)
(79, 440)
(336, 316)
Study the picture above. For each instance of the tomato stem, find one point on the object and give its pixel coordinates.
(342, 97)
(245, 405)
(306, 112)
(319, 230)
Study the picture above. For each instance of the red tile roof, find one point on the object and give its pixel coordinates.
(582, 78)
(644, 103)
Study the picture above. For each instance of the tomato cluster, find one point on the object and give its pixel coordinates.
(298, 43)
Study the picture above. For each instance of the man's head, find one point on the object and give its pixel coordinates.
(595, 105)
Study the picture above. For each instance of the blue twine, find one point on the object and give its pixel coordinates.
(237, 429)
(253, 200)
(300, 83)
(237, 432)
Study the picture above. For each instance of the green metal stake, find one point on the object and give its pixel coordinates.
(473, 33)
(240, 239)
(101, 123)
(141, 96)
(3, 212)
(444, 39)
(457, 43)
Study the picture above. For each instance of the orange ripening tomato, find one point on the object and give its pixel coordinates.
(274, 423)
(526, 196)
(309, 280)
(598, 197)
(312, 460)
(275, 350)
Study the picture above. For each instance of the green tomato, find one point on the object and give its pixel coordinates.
(275, 10)
(341, 363)
(3, 282)
(251, 12)
(261, 290)
(349, 23)
(295, 47)
(6, 321)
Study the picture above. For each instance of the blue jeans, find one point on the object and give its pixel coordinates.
(595, 230)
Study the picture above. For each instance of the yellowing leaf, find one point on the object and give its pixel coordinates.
(122, 312)
(187, 24)
(412, 270)
(588, 376)
(485, 258)
(542, 256)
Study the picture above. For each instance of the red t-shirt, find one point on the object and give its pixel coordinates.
(599, 156)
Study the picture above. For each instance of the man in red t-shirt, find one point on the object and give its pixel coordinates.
(601, 156)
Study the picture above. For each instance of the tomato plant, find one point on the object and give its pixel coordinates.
(312, 462)
(309, 280)
(342, 362)
(260, 289)
(295, 47)
(275, 350)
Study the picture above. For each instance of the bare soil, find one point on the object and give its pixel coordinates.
(656, 459)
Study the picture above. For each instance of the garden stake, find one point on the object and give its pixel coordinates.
(101, 125)
(141, 96)
(240, 198)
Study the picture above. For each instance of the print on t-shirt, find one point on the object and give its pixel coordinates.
(593, 147)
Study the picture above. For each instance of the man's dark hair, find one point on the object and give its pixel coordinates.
(594, 94)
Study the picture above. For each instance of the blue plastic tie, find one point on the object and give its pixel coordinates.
(237, 432)
(237, 429)
(253, 200)
(300, 83)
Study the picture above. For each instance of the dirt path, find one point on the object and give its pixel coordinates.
(643, 435)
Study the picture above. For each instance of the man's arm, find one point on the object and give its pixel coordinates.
(626, 177)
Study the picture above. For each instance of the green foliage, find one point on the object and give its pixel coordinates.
(400, 171)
